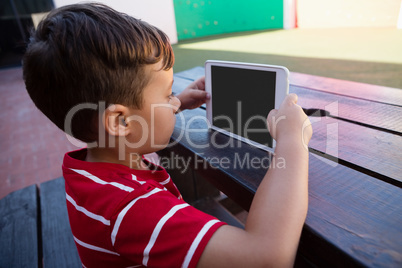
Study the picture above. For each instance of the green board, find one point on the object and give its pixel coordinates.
(197, 18)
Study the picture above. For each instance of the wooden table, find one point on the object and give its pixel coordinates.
(355, 172)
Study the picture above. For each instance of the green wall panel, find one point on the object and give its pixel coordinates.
(197, 18)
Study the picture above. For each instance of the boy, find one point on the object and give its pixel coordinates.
(105, 78)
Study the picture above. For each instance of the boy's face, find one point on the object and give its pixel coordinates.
(152, 126)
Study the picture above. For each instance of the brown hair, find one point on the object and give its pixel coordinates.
(87, 53)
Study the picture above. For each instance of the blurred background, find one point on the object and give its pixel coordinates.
(357, 40)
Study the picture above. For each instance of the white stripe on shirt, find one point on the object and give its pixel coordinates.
(196, 242)
(157, 230)
(165, 181)
(124, 211)
(86, 212)
(134, 178)
(85, 245)
(97, 180)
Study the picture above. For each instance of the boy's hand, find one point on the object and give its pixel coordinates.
(194, 95)
(290, 122)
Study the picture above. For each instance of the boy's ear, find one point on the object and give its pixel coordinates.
(114, 120)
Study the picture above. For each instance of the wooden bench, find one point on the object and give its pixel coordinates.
(34, 228)
(19, 238)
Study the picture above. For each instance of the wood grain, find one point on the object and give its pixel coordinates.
(19, 245)
(59, 249)
(352, 89)
(359, 111)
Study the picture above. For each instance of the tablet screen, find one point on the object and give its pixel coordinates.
(242, 99)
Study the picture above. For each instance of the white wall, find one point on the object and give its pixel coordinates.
(156, 12)
(347, 13)
(289, 14)
(399, 25)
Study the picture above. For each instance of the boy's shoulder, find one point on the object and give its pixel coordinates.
(111, 181)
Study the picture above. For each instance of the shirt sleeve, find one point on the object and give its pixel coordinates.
(156, 229)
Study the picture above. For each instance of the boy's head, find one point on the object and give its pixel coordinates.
(88, 53)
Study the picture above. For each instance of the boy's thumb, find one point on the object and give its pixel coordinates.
(291, 98)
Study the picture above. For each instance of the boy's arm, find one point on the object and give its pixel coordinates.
(279, 208)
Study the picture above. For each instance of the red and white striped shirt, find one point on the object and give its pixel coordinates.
(121, 217)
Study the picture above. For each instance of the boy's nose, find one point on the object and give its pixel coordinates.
(176, 104)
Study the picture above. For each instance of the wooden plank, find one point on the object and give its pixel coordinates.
(352, 215)
(376, 114)
(358, 214)
(19, 229)
(370, 150)
(369, 92)
(59, 249)
(366, 149)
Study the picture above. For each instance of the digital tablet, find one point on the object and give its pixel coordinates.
(242, 94)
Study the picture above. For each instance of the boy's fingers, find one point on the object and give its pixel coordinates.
(200, 83)
(199, 94)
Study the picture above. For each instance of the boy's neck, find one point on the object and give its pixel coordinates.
(106, 155)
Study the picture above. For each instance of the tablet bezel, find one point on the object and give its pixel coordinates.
(281, 90)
